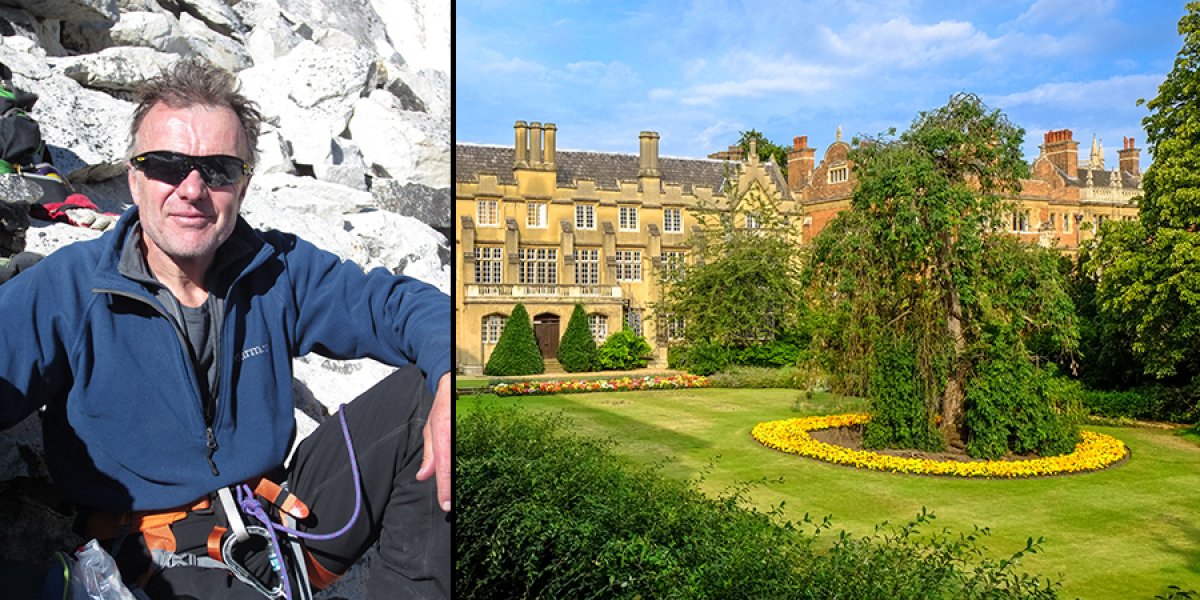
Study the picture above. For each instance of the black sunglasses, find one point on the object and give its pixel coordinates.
(172, 167)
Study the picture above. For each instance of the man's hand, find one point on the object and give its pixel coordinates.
(437, 458)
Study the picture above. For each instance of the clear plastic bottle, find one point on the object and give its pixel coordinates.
(95, 576)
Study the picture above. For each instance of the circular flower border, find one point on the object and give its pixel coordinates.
(1095, 451)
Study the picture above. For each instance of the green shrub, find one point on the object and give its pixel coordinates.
(1009, 407)
(516, 351)
(762, 378)
(1147, 402)
(777, 353)
(704, 358)
(624, 350)
(577, 351)
(548, 514)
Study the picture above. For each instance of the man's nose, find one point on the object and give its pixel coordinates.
(192, 187)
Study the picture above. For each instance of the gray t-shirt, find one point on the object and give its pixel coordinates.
(198, 327)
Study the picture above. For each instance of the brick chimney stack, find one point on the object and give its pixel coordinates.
(1062, 151)
(648, 154)
(801, 160)
(1130, 158)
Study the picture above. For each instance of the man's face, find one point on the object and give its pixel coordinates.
(189, 221)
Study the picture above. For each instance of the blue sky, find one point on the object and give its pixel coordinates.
(699, 72)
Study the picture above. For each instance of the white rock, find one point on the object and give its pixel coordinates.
(160, 31)
(116, 68)
(335, 382)
(271, 38)
(23, 56)
(80, 126)
(311, 92)
(274, 156)
(44, 237)
(419, 30)
(402, 245)
(216, 48)
(355, 18)
(321, 77)
(140, 5)
(406, 146)
(345, 165)
(216, 15)
(425, 90)
(311, 209)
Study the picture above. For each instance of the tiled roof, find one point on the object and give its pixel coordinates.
(1100, 178)
(606, 168)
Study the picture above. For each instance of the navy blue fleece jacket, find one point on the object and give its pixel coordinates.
(123, 425)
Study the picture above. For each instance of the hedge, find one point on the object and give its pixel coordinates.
(544, 513)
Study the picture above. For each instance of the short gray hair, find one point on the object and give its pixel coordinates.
(196, 82)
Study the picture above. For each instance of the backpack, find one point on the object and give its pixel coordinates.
(20, 136)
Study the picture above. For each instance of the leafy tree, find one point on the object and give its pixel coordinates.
(1106, 358)
(1147, 272)
(766, 149)
(743, 286)
(624, 350)
(577, 349)
(516, 351)
(921, 287)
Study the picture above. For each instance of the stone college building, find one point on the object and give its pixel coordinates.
(549, 229)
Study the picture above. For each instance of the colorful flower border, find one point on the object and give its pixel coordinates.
(575, 386)
(1094, 452)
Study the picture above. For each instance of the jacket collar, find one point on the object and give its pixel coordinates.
(122, 265)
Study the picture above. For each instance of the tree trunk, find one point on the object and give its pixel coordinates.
(953, 399)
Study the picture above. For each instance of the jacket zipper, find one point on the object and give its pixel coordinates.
(208, 415)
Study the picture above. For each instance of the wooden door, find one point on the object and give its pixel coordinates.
(545, 329)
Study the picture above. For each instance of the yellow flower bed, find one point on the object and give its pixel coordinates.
(1095, 451)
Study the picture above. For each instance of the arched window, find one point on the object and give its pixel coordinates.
(492, 326)
(599, 325)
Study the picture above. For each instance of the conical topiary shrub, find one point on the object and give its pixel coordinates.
(577, 350)
(517, 350)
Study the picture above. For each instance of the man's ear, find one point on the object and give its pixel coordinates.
(131, 175)
(245, 188)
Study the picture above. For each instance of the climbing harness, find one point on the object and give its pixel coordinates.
(155, 528)
(251, 506)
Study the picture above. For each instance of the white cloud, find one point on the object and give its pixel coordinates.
(716, 134)
(900, 42)
(602, 74)
(1080, 94)
(745, 75)
(1065, 11)
(512, 65)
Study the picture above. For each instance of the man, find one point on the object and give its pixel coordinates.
(162, 355)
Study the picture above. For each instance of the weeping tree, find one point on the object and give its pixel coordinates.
(932, 312)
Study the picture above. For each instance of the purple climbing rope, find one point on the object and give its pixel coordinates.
(252, 507)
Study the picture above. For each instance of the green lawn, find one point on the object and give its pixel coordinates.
(1127, 532)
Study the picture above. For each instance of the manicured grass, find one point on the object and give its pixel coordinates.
(1126, 532)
